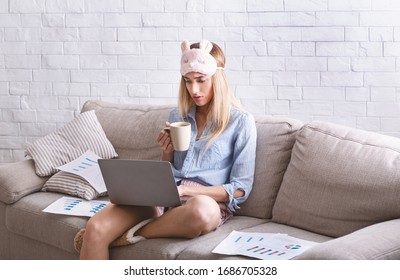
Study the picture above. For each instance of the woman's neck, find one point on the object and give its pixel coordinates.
(203, 110)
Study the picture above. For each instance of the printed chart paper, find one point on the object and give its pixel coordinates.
(267, 246)
(75, 206)
(87, 167)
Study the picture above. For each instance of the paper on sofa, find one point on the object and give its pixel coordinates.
(73, 206)
(87, 167)
(267, 246)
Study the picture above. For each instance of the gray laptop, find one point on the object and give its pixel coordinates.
(140, 182)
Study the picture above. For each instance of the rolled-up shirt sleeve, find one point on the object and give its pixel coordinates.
(243, 166)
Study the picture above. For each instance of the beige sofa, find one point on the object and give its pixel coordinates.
(320, 182)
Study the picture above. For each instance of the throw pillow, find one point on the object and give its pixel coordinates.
(69, 142)
(71, 184)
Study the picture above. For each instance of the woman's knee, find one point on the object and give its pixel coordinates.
(96, 231)
(204, 212)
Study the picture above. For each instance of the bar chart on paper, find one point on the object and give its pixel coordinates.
(84, 164)
(71, 203)
(87, 167)
(75, 206)
(263, 245)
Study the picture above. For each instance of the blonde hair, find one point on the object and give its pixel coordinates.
(223, 99)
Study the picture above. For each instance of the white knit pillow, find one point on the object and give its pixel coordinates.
(68, 143)
(71, 184)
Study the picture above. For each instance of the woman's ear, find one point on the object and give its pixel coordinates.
(185, 46)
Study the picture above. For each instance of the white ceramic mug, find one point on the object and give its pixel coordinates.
(180, 133)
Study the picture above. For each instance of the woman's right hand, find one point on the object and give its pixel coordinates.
(164, 141)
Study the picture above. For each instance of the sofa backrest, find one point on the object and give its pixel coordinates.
(339, 180)
(275, 139)
(131, 128)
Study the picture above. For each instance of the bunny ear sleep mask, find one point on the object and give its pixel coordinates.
(198, 60)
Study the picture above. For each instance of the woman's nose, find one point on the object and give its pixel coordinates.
(194, 88)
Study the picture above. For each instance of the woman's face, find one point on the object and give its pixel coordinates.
(200, 88)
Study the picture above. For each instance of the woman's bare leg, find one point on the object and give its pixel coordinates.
(109, 224)
(200, 215)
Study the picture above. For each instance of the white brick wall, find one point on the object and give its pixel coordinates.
(331, 60)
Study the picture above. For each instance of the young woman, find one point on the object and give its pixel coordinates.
(215, 173)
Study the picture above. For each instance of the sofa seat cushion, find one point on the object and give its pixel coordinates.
(376, 242)
(5, 235)
(172, 248)
(275, 139)
(339, 180)
(26, 218)
(202, 250)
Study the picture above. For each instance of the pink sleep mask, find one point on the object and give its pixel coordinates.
(198, 60)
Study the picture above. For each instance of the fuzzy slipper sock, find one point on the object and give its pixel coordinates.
(78, 240)
(127, 238)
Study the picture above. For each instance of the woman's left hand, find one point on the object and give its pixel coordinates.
(182, 192)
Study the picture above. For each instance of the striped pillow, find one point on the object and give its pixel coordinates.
(71, 184)
(69, 142)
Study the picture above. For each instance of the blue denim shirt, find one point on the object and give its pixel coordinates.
(229, 161)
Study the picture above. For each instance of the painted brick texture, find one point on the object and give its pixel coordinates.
(331, 60)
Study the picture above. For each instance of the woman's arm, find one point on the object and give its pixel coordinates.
(243, 164)
(218, 193)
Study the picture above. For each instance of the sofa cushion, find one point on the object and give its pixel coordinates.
(26, 218)
(132, 129)
(19, 179)
(201, 251)
(174, 248)
(68, 143)
(275, 139)
(376, 242)
(5, 234)
(71, 184)
(339, 180)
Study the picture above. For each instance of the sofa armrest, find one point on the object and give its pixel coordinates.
(376, 242)
(18, 180)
